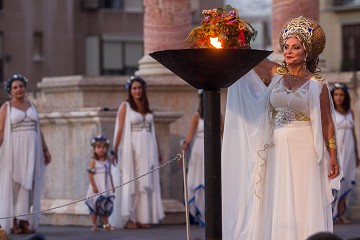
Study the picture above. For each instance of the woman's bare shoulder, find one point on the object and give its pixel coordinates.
(3, 108)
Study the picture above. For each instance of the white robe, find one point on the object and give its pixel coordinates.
(195, 177)
(35, 184)
(125, 171)
(346, 144)
(247, 141)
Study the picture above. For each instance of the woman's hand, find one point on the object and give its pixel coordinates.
(333, 169)
(95, 189)
(185, 146)
(160, 157)
(113, 157)
(47, 157)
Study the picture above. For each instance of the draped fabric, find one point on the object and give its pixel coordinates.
(195, 177)
(137, 155)
(33, 178)
(260, 175)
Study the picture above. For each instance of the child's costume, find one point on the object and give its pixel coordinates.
(101, 205)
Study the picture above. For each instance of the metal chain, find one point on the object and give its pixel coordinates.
(178, 157)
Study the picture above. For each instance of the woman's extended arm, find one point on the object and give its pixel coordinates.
(2, 122)
(192, 130)
(328, 130)
(357, 160)
(47, 156)
(121, 123)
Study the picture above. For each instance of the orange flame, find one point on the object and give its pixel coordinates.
(215, 42)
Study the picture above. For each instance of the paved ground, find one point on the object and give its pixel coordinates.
(161, 232)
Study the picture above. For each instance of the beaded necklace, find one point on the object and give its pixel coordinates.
(305, 72)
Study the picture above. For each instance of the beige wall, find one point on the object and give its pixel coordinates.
(64, 25)
(332, 22)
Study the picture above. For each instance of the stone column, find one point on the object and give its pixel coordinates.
(166, 26)
(285, 10)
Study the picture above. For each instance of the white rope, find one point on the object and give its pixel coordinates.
(178, 157)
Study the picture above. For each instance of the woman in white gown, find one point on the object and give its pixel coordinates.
(138, 203)
(195, 175)
(279, 155)
(348, 148)
(23, 156)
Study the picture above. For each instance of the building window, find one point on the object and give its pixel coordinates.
(113, 55)
(38, 47)
(127, 5)
(342, 2)
(113, 4)
(351, 48)
(120, 57)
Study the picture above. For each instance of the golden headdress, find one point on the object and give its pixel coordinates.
(309, 33)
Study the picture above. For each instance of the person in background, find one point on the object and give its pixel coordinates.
(137, 204)
(195, 175)
(279, 154)
(100, 178)
(324, 236)
(23, 157)
(347, 144)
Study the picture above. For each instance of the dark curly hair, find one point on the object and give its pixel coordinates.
(8, 83)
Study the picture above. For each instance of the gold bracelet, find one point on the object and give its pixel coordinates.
(332, 142)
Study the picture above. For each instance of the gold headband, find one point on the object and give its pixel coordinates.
(308, 32)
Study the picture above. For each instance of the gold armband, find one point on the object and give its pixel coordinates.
(332, 143)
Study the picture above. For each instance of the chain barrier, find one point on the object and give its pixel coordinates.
(178, 157)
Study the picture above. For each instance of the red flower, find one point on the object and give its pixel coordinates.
(241, 37)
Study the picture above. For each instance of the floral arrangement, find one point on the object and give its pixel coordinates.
(224, 26)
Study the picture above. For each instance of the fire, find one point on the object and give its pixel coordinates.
(215, 42)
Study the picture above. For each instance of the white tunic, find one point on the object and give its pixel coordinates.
(21, 161)
(346, 144)
(102, 179)
(137, 155)
(23, 135)
(195, 177)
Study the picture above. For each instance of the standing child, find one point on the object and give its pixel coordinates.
(99, 172)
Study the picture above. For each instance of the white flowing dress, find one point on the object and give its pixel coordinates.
(21, 166)
(139, 201)
(274, 162)
(346, 144)
(102, 180)
(195, 177)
